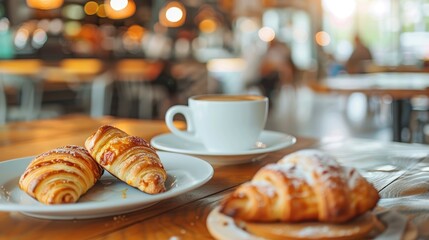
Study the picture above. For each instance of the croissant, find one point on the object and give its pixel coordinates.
(61, 175)
(307, 185)
(129, 158)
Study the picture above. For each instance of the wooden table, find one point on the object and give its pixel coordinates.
(398, 170)
(400, 86)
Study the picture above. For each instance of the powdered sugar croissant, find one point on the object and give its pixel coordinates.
(129, 158)
(307, 185)
(61, 175)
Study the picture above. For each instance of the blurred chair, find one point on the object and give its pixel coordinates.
(419, 118)
(23, 79)
(101, 95)
(138, 96)
(89, 79)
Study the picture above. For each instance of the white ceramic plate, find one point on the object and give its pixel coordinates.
(269, 141)
(109, 196)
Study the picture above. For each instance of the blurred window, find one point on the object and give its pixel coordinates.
(397, 32)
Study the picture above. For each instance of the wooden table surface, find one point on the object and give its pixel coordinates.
(399, 171)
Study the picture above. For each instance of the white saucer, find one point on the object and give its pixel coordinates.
(269, 141)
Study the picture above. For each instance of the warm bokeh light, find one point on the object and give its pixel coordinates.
(172, 15)
(91, 8)
(323, 38)
(207, 26)
(340, 8)
(135, 32)
(101, 11)
(125, 12)
(45, 4)
(118, 4)
(266, 34)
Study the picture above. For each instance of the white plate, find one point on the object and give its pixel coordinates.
(269, 141)
(109, 196)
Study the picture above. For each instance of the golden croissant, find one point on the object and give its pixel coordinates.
(129, 158)
(61, 175)
(307, 185)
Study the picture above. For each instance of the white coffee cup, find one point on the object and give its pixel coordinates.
(222, 123)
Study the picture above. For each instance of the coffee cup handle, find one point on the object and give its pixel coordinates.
(186, 112)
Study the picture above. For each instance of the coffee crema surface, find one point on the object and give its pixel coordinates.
(228, 98)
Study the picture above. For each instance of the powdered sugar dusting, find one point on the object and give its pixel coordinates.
(323, 166)
(292, 172)
(352, 176)
(311, 166)
(265, 187)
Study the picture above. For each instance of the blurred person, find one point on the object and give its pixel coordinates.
(328, 65)
(359, 57)
(277, 69)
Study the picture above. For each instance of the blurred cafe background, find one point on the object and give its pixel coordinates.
(136, 58)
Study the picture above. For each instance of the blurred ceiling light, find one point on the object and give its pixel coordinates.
(323, 38)
(340, 8)
(126, 12)
(101, 11)
(207, 26)
(118, 4)
(266, 34)
(45, 4)
(172, 15)
(21, 37)
(73, 11)
(43, 24)
(39, 38)
(91, 8)
(56, 26)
